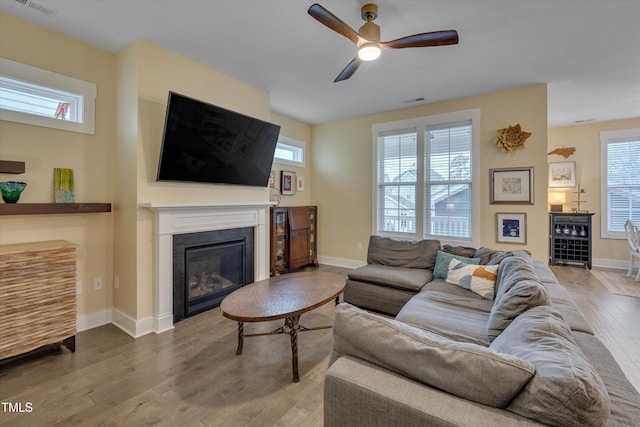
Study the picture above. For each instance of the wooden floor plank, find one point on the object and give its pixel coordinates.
(191, 376)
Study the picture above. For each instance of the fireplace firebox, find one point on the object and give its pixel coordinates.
(207, 266)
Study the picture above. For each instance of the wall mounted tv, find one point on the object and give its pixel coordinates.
(205, 143)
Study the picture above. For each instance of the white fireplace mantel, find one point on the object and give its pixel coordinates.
(180, 218)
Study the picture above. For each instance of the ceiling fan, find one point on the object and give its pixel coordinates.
(367, 38)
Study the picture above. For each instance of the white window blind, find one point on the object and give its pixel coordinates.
(423, 170)
(397, 179)
(448, 183)
(620, 181)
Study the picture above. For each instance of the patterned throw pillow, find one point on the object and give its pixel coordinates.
(480, 279)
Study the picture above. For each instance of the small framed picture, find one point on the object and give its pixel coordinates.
(512, 186)
(512, 228)
(287, 183)
(300, 185)
(562, 175)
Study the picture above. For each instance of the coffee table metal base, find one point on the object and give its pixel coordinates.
(291, 327)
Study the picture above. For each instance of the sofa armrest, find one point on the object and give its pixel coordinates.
(357, 393)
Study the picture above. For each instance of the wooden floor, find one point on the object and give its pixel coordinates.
(190, 376)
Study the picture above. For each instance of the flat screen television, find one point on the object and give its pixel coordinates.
(205, 143)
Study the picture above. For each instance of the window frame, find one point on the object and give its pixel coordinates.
(606, 138)
(420, 124)
(290, 144)
(53, 83)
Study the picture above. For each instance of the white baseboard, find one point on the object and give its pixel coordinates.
(341, 262)
(610, 263)
(93, 320)
(132, 327)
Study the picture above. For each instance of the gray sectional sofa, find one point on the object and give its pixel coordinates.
(497, 341)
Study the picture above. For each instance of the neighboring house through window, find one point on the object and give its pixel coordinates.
(620, 181)
(423, 174)
(39, 97)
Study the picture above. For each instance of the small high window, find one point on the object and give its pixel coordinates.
(289, 151)
(34, 96)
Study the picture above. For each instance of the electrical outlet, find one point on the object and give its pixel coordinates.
(78, 287)
(97, 283)
(116, 282)
(359, 245)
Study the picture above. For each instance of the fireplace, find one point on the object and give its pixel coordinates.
(207, 266)
(174, 218)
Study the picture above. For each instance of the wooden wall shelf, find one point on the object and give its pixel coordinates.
(52, 208)
(8, 166)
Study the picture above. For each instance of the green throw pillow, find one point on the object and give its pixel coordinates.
(442, 263)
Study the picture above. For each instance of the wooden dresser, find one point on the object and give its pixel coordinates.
(37, 296)
(294, 232)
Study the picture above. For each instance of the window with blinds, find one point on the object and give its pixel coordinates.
(34, 96)
(423, 174)
(448, 183)
(397, 181)
(620, 160)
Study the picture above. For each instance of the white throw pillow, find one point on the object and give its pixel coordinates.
(480, 279)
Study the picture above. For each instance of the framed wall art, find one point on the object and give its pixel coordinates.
(512, 186)
(287, 183)
(562, 174)
(512, 228)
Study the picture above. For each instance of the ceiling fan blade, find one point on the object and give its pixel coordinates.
(349, 70)
(328, 19)
(434, 38)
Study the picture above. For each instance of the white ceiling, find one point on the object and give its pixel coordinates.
(588, 51)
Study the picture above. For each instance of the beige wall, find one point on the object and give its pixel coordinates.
(586, 139)
(302, 132)
(157, 71)
(42, 149)
(342, 164)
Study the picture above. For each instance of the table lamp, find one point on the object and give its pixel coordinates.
(556, 200)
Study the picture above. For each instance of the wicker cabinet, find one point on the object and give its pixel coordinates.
(293, 238)
(570, 238)
(37, 296)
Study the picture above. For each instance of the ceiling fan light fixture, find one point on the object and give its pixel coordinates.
(369, 51)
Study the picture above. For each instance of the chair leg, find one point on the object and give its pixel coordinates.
(630, 272)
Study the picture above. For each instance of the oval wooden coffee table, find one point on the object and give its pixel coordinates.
(282, 297)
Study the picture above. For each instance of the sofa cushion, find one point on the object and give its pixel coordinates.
(465, 251)
(566, 390)
(625, 400)
(402, 253)
(450, 311)
(519, 298)
(465, 370)
(412, 279)
(442, 263)
(480, 279)
(513, 270)
(492, 256)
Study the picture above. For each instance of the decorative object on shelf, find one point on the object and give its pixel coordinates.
(556, 200)
(63, 185)
(274, 196)
(511, 138)
(512, 228)
(580, 192)
(512, 186)
(565, 152)
(11, 190)
(562, 174)
(272, 179)
(287, 183)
